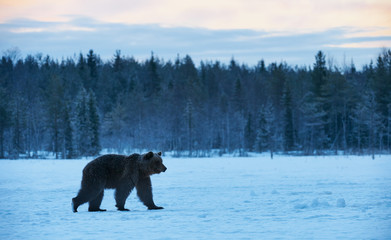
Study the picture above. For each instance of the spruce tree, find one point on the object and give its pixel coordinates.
(287, 118)
(189, 111)
(119, 81)
(152, 85)
(82, 124)
(93, 70)
(382, 90)
(4, 119)
(261, 137)
(6, 70)
(371, 120)
(238, 96)
(266, 135)
(319, 75)
(93, 120)
(68, 134)
(313, 131)
(316, 107)
(82, 70)
(55, 106)
(249, 134)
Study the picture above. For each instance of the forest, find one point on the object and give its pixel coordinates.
(80, 105)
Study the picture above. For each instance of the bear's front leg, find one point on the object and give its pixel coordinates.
(121, 194)
(144, 192)
(155, 208)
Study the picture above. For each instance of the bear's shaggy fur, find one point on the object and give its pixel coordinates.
(121, 173)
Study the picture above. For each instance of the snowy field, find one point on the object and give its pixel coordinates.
(208, 198)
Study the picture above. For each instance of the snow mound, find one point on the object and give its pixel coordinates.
(316, 203)
(301, 206)
(275, 191)
(327, 193)
(341, 203)
(253, 194)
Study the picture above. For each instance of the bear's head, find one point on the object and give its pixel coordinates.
(153, 163)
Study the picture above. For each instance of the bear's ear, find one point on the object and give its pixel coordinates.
(149, 155)
(159, 153)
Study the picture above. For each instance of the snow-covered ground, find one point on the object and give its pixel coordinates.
(208, 198)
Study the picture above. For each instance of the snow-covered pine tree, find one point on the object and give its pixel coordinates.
(87, 124)
(368, 123)
(314, 108)
(82, 124)
(314, 136)
(266, 135)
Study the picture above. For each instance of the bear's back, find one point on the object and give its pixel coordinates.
(109, 168)
(108, 161)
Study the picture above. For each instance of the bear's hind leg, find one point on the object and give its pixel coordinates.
(85, 194)
(94, 205)
(74, 205)
(81, 198)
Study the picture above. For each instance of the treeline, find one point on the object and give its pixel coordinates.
(79, 106)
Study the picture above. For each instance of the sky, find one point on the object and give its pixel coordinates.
(247, 30)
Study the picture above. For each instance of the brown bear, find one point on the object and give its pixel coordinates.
(121, 173)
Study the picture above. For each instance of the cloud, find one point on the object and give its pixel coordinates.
(367, 44)
(56, 28)
(64, 39)
(278, 15)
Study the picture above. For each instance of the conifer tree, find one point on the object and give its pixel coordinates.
(55, 106)
(287, 118)
(266, 137)
(315, 107)
(6, 69)
(82, 124)
(119, 81)
(4, 119)
(382, 91)
(93, 70)
(93, 120)
(189, 125)
(368, 122)
(249, 134)
(82, 70)
(87, 124)
(68, 134)
(238, 96)
(152, 85)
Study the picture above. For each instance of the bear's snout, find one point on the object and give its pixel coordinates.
(159, 169)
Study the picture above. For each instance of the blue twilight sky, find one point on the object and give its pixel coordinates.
(246, 30)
